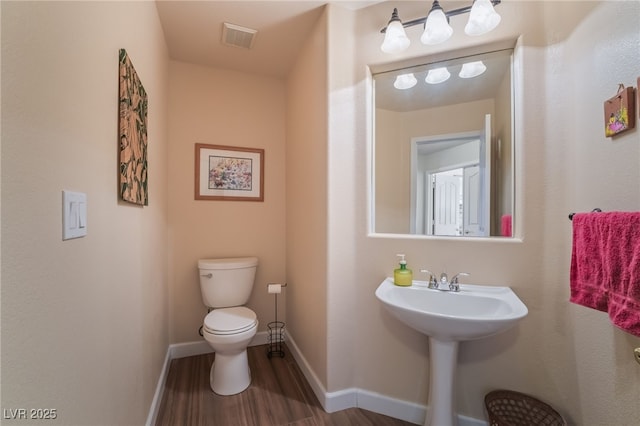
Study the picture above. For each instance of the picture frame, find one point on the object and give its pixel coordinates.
(620, 112)
(229, 173)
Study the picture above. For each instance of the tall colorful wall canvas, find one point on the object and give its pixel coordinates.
(133, 134)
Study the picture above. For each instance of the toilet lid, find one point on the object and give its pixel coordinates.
(230, 320)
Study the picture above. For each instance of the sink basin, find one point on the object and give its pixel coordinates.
(448, 318)
(473, 313)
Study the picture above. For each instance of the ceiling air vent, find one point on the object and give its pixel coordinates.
(237, 36)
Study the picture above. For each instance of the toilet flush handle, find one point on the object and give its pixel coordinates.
(209, 275)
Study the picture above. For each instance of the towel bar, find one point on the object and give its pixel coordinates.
(594, 210)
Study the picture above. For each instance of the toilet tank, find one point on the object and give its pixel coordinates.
(227, 282)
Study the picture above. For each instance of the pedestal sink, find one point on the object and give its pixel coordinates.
(475, 312)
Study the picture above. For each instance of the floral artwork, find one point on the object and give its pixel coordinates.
(619, 112)
(618, 121)
(132, 134)
(229, 173)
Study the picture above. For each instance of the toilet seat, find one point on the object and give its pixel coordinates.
(226, 321)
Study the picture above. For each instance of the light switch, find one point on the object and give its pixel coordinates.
(74, 215)
(82, 218)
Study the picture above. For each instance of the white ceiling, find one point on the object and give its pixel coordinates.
(193, 31)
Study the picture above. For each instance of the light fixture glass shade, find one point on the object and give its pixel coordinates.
(437, 75)
(395, 38)
(472, 69)
(405, 81)
(436, 29)
(482, 18)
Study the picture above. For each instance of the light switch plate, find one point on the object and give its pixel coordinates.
(74, 215)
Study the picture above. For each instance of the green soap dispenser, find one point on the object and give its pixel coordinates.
(402, 276)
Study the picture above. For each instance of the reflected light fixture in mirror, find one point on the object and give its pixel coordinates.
(440, 75)
(437, 75)
(472, 69)
(405, 81)
(482, 19)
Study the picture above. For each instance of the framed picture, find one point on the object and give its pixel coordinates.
(620, 112)
(132, 134)
(229, 173)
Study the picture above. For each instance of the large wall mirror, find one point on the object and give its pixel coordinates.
(443, 155)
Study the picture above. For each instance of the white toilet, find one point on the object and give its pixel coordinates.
(226, 285)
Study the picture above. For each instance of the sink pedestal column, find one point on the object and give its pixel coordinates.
(444, 358)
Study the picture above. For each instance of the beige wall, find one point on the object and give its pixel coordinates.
(596, 356)
(568, 355)
(215, 106)
(84, 321)
(345, 128)
(392, 175)
(307, 197)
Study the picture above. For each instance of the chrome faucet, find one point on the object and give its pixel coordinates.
(453, 285)
(431, 283)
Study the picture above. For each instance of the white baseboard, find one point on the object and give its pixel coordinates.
(470, 421)
(309, 374)
(330, 401)
(404, 410)
(367, 400)
(392, 407)
(157, 396)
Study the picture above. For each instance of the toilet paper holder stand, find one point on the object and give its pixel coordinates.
(275, 338)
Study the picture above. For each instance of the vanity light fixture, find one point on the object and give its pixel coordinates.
(438, 75)
(395, 39)
(405, 81)
(482, 19)
(472, 69)
(436, 28)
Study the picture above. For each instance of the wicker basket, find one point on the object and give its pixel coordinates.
(510, 408)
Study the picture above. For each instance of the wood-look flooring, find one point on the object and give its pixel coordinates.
(278, 395)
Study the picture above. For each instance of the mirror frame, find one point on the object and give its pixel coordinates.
(517, 90)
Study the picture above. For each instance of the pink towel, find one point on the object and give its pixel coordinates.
(605, 266)
(505, 225)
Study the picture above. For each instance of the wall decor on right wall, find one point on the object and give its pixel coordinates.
(620, 112)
